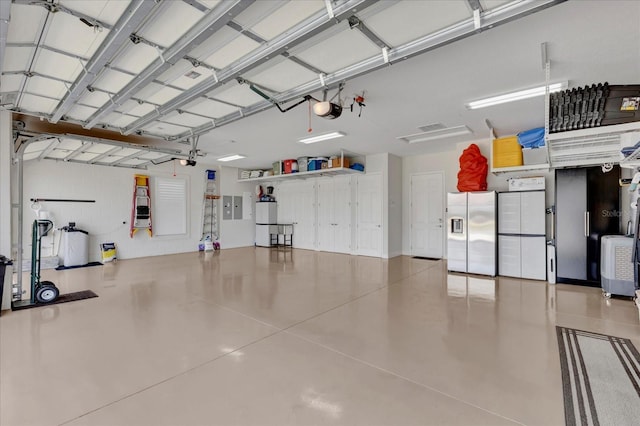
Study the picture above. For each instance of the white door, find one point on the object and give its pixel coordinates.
(284, 198)
(304, 220)
(369, 215)
(342, 214)
(427, 215)
(325, 214)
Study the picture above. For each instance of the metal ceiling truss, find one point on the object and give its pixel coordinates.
(296, 35)
(137, 15)
(52, 7)
(88, 142)
(5, 17)
(424, 44)
(131, 19)
(43, 31)
(208, 25)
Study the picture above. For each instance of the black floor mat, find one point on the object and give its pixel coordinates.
(63, 298)
(61, 268)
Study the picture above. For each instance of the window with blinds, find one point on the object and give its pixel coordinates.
(170, 206)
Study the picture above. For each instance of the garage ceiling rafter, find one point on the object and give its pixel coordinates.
(298, 34)
(180, 79)
(135, 14)
(394, 55)
(210, 23)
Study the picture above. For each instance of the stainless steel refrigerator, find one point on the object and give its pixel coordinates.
(471, 233)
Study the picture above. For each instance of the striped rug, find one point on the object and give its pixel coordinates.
(600, 378)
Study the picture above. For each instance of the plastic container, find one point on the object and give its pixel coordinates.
(533, 138)
(303, 164)
(76, 247)
(276, 168)
(288, 165)
(507, 152)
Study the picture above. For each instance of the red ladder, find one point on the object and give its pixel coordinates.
(141, 210)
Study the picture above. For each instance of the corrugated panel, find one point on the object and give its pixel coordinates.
(136, 57)
(17, 58)
(210, 108)
(39, 104)
(57, 65)
(25, 23)
(112, 81)
(171, 23)
(46, 87)
(232, 51)
(107, 11)
(281, 74)
(343, 49)
(409, 20)
(71, 35)
(237, 94)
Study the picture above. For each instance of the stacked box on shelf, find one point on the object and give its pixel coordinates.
(335, 162)
(303, 164)
(507, 152)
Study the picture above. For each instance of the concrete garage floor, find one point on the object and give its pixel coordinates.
(265, 337)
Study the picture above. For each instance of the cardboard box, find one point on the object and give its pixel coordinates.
(335, 162)
(507, 152)
(533, 156)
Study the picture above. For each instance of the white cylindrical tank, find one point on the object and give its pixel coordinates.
(75, 247)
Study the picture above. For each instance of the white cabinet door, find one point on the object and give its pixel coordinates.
(304, 220)
(342, 214)
(509, 256)
(326, 228)
(509, 214)
(534, 257)
(285, 198)
(369, 215)
(532, 213)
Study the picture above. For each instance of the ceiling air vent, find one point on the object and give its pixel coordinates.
(431, 127)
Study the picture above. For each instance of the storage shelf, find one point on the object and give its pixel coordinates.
(532, 167)
(595, 131)
(303, 175)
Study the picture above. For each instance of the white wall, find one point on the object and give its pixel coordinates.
(6, 147)
(236, 233)
(447, 161)
(394, 229)
(107, 220)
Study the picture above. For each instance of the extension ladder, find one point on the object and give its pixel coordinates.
(210, 237)
(141, 210)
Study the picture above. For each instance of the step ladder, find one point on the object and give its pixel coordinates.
(210, 237)
(141, 210)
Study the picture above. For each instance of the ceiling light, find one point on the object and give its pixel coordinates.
(324, 137)
(327, 109)
(187, 162)
(516, 96)
(436, 134)
(231, 157)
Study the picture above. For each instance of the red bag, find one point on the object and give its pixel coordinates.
(473, 170)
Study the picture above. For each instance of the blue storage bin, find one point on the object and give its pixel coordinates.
(358, 166)
(533, 138)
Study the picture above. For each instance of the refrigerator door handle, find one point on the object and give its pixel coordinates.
(587, 226)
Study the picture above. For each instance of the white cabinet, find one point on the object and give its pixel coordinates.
(522, 241)
(369, 215)
(296, 205)
(334, 214)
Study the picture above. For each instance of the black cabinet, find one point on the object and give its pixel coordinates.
(587, 207)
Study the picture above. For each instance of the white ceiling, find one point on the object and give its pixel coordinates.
(588, 42)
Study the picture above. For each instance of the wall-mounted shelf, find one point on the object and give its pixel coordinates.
(515, 169)
(330, 171)
(303, 175)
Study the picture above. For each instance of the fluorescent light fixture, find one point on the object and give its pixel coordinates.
(436, 134)
(231, 157)
(324, 137)
(516, 96)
